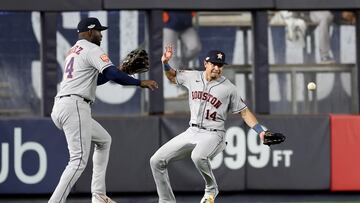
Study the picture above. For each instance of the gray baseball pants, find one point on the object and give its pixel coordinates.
(73, 116)
(201, 145)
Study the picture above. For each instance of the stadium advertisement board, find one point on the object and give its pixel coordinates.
(301, 163)
(34, 154)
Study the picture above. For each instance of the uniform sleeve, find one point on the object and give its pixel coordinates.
(184, 77)
(236, 102)
(99, 59)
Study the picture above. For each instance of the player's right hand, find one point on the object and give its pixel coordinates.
(151, 84)
(167, 54)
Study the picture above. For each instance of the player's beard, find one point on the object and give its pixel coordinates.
(96, 40)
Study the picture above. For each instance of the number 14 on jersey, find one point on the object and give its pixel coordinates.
(210, 115)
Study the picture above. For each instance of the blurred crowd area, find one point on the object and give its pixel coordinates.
(295, 46)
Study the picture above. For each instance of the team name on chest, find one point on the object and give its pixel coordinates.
(206, 97)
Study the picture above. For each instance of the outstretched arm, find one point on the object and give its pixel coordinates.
(267, 137)
(252, 122)
(101, 79)
(114, 74)
(169, 72)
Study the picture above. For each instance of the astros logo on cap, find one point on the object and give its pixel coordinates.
(91, 26)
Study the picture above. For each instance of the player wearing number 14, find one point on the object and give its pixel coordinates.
(211, 96)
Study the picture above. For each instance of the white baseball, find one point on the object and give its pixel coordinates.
(311, 86)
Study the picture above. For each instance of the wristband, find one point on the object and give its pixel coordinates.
(166, 67)
(258, 129)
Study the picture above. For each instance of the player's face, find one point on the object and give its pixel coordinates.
(213, 70)
(95, 37)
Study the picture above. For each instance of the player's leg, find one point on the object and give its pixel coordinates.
(75, 119)
(55, 115)
(102, 141)
(177, 148)
(209, 144)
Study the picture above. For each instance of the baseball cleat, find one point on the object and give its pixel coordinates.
(101, 198)
(208, 199)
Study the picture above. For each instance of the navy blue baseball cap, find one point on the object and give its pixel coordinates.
(87, 24)
(215, 56)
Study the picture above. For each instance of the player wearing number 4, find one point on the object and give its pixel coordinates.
(86, 66)
(211, 96)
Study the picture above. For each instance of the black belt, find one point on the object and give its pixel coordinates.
(198, 126)
(69, 95)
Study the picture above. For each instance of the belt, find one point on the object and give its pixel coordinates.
(69, 95)
(201, 127)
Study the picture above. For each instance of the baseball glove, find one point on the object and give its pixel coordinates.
(271, 138)
(137, 61)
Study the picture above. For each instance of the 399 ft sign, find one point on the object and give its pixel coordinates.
(235, 154)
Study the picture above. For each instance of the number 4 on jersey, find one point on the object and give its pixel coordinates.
(69, 68)
(211, 116)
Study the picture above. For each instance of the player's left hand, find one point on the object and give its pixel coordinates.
(167, 54)
(137, 61)
(270, 138)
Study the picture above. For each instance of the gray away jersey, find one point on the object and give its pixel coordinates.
(210, 101)
(85, 60)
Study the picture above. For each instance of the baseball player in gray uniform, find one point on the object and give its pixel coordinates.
(86, 66)
(211, 96)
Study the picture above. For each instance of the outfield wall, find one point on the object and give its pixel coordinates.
(317, 155)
